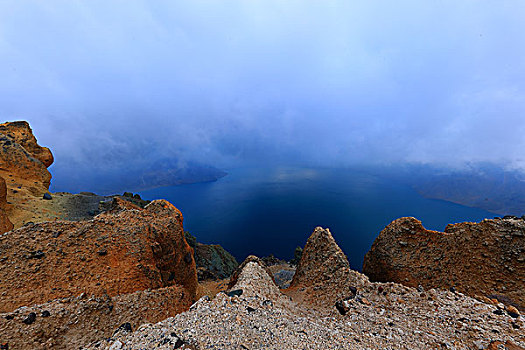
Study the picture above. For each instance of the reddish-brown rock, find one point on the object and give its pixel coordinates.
(23, 166)
(5, 223)
(21, 133)
(20, 155)
(3, 193)
(122, 251)
(508, 345)
(486, 258)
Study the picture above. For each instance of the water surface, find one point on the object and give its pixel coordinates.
(271, 211)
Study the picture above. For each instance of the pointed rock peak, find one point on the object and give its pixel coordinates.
(321, 257)
(251, 258)
(252, 279)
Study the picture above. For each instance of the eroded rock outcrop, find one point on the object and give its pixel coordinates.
(121, 251)
(214, 262)
(21, 155)
(21, 133)
(323, 274)
(486, 258)
(23, 166)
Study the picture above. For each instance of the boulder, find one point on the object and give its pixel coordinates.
(485, 258)
(143, 248)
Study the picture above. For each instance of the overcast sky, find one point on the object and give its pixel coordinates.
(235, 82)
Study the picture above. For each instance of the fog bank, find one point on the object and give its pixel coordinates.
(318, 83)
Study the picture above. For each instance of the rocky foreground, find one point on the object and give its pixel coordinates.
(255, 314)
(336, 308)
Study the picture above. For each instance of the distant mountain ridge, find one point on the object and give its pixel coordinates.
(483, 186)
(134, 177)
(488, 186)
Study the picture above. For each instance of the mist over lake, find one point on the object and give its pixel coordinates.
(266, 211)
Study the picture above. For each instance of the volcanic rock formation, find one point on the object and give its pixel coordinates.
(23, 167)
(121, 251)
(250, 258)
(323, 274)
(486, 258)
(21, 155)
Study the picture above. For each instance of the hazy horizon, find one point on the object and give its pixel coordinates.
(113, 84)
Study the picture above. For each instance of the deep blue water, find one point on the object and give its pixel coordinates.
(271, 211)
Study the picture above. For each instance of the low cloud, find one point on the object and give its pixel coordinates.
(235, 83)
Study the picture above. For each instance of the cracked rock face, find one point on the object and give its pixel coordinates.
(480, 259)
(21, 133)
